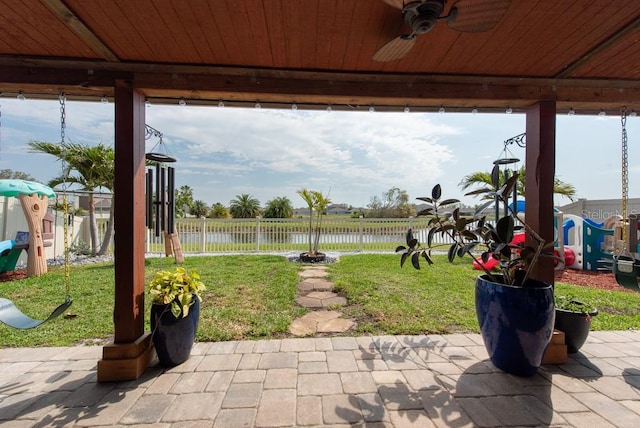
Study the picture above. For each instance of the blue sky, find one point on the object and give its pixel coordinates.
(353, 156)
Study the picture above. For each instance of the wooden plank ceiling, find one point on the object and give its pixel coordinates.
(584, 54)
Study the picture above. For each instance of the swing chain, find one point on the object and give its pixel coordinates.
(65, 204)
(625, 169)
(63, 117)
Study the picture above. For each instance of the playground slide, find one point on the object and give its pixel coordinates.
(8, 255)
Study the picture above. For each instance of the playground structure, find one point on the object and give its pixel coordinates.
(34, 201)
(579, 242)
(11, 249)
(593, 244)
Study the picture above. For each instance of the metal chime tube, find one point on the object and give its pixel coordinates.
(149, 198)
(163, 199)
(157, 202)
(171, 204)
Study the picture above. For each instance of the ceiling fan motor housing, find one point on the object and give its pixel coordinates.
(421, 16)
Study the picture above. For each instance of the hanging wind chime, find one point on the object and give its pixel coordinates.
(160, 195)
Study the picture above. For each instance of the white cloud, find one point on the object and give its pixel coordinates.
(333, 147)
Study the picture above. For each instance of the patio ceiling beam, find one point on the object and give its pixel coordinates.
(283, 86)
(600, 48)
(377, 92)
(77, 26)
(262, 73)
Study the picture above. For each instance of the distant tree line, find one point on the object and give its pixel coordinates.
(16, 175)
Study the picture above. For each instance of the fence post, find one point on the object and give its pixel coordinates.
(203, 235)
(361, 233)
(411, 222)
(257, 233)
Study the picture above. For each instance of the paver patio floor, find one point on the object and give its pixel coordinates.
(384, 381)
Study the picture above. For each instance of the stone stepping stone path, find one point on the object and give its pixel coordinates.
(316, 292)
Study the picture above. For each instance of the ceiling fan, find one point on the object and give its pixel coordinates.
(469, 16)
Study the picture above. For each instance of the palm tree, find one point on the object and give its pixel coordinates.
(199, 208)
(315, 201)
(184, 199)
(279, 207)
(90, 167)
(482, 179)
(308, 198)
(218, 211)
(321, 202)
(244, 206)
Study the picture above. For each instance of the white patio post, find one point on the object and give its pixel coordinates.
(257, 233)
(361, 237)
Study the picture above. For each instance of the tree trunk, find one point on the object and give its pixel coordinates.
(93, 225)
(310, 229)
(108, 233)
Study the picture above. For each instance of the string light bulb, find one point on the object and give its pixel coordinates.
(372, 109)
(21, 96)
(474, 111)
(571, 112)
(294, 106)
(220, 103)
(632, 113)
(258, 106)
(104, 99)
(329, 108)
(602, 113)
(441, 110)
(407, 109)
(182, 102)
(147, 103)
(509, 110)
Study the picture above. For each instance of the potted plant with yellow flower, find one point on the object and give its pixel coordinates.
(175, 312)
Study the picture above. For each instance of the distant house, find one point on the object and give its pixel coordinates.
(339, 209)
(301, 212)
(599, 210)
(464, 211)
(102, 202)
(332, 209)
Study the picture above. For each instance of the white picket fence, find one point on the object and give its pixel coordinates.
(240, 235)
(283, 235)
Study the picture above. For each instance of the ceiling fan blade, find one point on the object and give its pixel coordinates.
(475, 16)
(398, 4)
(395, 49)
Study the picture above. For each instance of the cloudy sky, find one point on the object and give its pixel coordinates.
(352, 156)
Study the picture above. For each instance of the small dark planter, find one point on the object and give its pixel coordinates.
(312, 258)
(575, 326)
(174, 337)
(516, 323)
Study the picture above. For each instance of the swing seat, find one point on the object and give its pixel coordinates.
(626, 270)
(11, 315)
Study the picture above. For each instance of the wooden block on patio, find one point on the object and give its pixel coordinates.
(558, 337)
(556, 353)
(125, 361)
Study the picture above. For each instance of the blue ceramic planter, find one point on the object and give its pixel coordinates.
(516, 323)
(173, 337)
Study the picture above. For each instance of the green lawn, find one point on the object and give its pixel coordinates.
(440, 298)
(252, 297)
